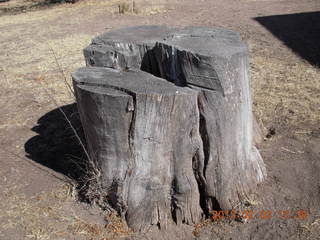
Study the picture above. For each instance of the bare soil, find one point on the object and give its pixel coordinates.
(38, 151)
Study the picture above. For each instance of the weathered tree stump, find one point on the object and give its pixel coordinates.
(168, 121)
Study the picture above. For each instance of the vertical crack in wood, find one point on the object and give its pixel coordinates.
(131, 163)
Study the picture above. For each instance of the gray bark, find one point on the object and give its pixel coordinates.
(142, 132)
(168, 118)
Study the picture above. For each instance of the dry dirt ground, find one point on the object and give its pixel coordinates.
(38, 151)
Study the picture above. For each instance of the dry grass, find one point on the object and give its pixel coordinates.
(252, 200)
(25, 66)
(286, 94)
(142, 7)
(45, 217)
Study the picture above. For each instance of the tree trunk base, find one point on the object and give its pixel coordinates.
(167, 115)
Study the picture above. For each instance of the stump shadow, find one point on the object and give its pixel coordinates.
(56, 145)
(299, 31)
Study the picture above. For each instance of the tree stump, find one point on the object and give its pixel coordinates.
(167, 115)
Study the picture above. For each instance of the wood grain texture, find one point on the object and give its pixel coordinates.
(168, 117)
(143, 133)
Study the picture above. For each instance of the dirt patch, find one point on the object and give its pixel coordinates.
(37, 45)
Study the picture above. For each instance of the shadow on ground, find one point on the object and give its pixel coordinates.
(30, 6)
(56, 145)
(299, 31)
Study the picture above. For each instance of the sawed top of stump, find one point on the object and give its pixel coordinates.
(110, 81)
(203, 41)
